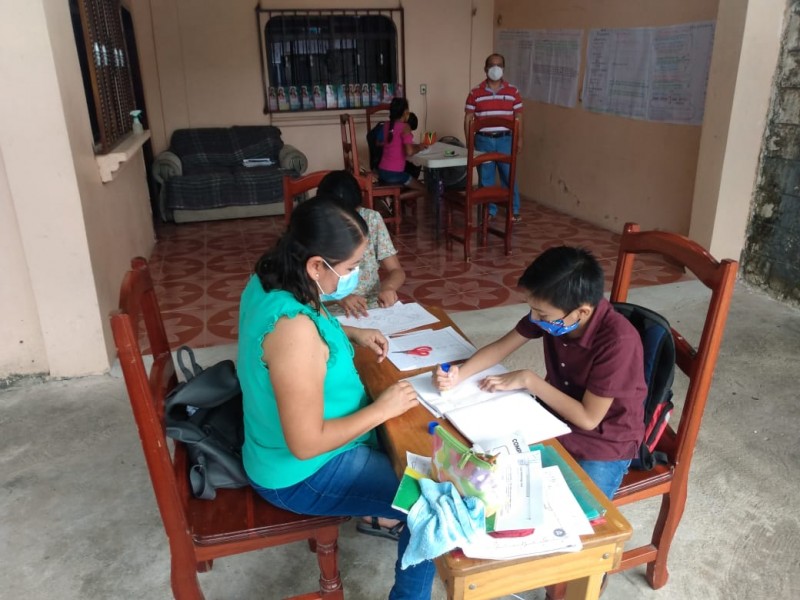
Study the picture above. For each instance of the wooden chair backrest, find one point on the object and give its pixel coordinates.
(295, 186)
(138, 304)
(697, 363)
(349, 144)
(494, 193)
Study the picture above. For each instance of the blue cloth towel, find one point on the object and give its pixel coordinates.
(439, 521)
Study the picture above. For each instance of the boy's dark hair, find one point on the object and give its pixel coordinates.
(342, 187)
(318, 227)
(413, 121)
(565, 277)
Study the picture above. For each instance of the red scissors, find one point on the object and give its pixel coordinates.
(418, 351)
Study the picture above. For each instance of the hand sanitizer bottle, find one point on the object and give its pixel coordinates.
(137, 124)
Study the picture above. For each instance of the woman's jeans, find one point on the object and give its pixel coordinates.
(359, 482)
(606, 474)
(486, 171)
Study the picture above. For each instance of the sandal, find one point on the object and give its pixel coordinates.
(375, 528)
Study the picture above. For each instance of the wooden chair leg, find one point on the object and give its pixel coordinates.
(312, 545)
(330, 581)
(183, 577)
(205, 566)
(669, 517)
(468, 231)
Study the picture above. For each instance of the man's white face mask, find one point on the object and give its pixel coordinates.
(495, 73)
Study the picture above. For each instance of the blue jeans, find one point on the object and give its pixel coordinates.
(361, 483)
(606, 474)
(486, 171)
(394, 177)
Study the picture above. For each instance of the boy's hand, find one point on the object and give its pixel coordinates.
(445, 381)
(515, 380)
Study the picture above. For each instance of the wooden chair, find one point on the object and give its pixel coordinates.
(199, 531)
(295, 187)
(474, 198)
(371, 113)
(670, 481)
(392, 195)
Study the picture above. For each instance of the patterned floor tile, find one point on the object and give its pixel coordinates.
(200, 269)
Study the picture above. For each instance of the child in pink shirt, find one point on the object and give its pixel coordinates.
(398, 143)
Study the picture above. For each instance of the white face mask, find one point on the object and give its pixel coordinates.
(495, 73)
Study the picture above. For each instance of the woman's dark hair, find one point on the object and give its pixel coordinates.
(342, 187)
(565, 277)
(318, 227)
(396, 109)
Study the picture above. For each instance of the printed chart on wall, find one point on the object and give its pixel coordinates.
(543, 64)
(652, 73)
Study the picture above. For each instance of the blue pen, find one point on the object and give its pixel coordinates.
(446, 368)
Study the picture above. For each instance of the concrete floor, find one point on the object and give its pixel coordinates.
(78, 519)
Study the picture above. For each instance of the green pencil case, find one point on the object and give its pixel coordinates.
(472, 474)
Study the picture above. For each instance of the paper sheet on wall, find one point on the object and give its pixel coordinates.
(653, 73)
(446, 346)
(393, 319)
(543, 64)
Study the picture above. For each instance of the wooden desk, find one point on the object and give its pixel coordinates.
(472, 579)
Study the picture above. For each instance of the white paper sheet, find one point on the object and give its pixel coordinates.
(393, 319)
(524, 506)
(446, 346)
(482, 416)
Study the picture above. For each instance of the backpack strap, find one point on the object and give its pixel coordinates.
(196, 369)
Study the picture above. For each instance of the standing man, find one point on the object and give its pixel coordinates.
(495, 97)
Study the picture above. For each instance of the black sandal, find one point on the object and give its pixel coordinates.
(375, 528)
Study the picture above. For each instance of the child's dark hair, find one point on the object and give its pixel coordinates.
(565, 277)
(318, 227)
(396, 109)
(413, 121)
(342, 187)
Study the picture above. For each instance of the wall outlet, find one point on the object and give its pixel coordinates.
(423, 89)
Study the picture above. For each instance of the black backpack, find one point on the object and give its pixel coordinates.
(659, 372)
(375, 145)
(205, 413)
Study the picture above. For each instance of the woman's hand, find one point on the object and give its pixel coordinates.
(354, 306)
(396, 400)
(515, 380)
(444, 381)
(387, 298)
(369, 338)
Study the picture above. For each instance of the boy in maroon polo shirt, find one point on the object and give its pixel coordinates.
(595, 369)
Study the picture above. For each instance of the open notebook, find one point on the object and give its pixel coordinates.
(482, 416)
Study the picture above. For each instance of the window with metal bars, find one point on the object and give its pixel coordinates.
(330, 59)
(106, 72)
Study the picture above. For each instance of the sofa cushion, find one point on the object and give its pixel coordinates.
(207, 146)
(262, 141)
(240, 187)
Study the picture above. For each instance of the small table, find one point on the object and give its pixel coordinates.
(438, 156)
(476, 579)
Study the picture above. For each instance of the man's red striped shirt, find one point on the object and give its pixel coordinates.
(505, 101)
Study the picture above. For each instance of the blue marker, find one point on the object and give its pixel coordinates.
(431, 426)
(446, 368)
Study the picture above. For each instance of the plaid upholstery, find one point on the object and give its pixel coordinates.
(213, 175)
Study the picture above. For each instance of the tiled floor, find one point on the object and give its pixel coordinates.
(201, 268)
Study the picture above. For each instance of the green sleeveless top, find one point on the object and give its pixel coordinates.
(267, 459)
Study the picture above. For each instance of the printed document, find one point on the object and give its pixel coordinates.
(484, 416)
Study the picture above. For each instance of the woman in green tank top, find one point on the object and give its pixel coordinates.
(309, 427)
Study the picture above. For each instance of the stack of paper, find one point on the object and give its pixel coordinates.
(562, 525)
(483, 416)
(427, 348)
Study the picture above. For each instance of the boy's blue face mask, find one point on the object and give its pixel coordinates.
(555, 328)
(347, 283)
